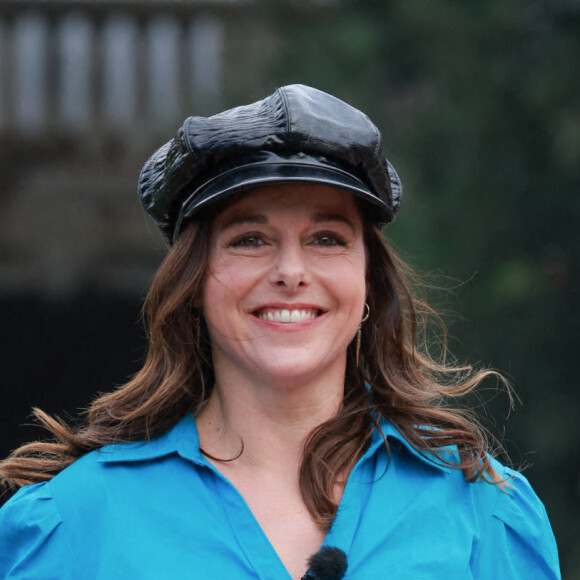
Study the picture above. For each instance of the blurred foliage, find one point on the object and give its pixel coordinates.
(479, 107)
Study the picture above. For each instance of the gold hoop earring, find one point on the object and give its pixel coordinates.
(359, 331)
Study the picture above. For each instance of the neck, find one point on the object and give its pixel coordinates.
(270, 421)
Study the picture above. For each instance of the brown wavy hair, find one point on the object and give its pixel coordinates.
(408, 386)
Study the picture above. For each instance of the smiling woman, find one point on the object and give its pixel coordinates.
(285, 423)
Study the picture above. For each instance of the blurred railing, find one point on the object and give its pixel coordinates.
(82, 67)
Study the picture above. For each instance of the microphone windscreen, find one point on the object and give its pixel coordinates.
(328, 564)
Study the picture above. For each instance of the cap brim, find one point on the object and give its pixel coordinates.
(271, 170)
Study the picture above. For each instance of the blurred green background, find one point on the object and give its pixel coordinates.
(479, 107)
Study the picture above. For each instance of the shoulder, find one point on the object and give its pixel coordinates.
(519, 507)
(512, 518)
(31, 521)
(518, 539)
(58, 528)
(511, 533)
(31, 535)
(46, 527)
(38, 503)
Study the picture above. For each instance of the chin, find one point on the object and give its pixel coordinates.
(298, 370)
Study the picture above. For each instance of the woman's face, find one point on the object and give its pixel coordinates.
(285, 288)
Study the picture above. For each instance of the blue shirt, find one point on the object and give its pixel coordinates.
(159, 510)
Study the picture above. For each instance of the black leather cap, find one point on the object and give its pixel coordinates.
(298, 134)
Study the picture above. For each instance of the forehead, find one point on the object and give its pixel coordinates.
(306, 200)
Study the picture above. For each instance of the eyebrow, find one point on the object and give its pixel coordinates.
(332, 217)
(244, 219)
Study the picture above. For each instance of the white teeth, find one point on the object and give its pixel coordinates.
(286, 315)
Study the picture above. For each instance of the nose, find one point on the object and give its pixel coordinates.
(290, 270)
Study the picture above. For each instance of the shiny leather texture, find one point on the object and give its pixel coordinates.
(320, 139)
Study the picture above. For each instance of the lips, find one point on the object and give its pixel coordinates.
(288, 315)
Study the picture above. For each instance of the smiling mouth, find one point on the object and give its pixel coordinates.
(288, 315)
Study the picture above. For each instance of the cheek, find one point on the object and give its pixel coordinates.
(347, 270)
(230, 279)
(241, 270)
(346, 282)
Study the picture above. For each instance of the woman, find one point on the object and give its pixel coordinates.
(284, 405)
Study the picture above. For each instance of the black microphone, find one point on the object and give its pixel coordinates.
(327, 564)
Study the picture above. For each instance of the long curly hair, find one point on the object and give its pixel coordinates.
(396, 379)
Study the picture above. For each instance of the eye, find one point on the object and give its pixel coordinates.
(329, 239)
(248, 240)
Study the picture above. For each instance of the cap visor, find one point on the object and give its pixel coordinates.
(304, 169)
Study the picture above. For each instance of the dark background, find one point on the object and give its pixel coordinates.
(479, 108)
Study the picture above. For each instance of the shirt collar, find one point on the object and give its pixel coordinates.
(183, 439)
(392, 434)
